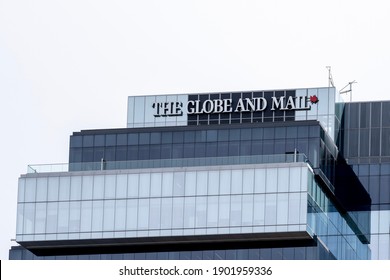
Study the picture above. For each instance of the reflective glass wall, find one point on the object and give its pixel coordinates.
(143, 203)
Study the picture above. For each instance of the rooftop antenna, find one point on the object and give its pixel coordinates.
(330, 78)
(342, 91)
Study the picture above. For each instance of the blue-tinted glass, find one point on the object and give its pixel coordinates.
(223, 135)
(354, 115)
(155, 138)
(155, 151)
(385, 141)
(88, 141)
(132, 138)
(189, 151)
(76, 141)
(177, 151)
(375, 141)
(109, 154)
(246, 134)
(280, 132)
(303, 131)
(121, 153)
(211, 149)
(143, 152)
(200, 149)
(375, 114)
(223, 149)
(99, 140)
(132, 153)
(98, 154)
(314, 131)
(87, 154)
(200, 136)
(257, 133)
(245, 148)
(234, 134)
(386, 114)
(189, 136)
(144, 138)
(166, 151)
(212, 135)
(166, 137)
(121, 139)
(292, 132)
(178, 137)
(364, 115)
(269, 133)
(110, 140)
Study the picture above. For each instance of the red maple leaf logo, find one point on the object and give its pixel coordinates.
(313, 99)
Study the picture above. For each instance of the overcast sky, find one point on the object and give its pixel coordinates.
(70, 65)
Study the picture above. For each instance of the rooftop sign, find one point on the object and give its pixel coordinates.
(218, 106)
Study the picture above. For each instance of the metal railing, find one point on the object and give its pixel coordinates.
(161, 163)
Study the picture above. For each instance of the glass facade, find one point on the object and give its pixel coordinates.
(246, 184)
(365, 145)
(196, 201)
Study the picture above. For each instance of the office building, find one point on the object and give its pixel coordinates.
(276, 174)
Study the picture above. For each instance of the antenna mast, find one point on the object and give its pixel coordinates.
(342, 91)
(330, 78)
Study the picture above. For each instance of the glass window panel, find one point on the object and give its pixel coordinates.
(21, 189)
(41, 189)
(189, 136)
(247, 210)
(121, 186)
(76, 141)
(52, 217)
(260, 176)
(225, 182)
(88, 141)
(248, 180)
(166, 137)
(189, 212)
(155, 188)
(293, 208)
(295, 176)
(212, 135)
(144, 185)
(110, 186)
(190, 185)
(31, 188)
(235, 210)
(213, 182)
(201, 212)
(110, 140)
(154, 214)
(178, 183)
(98, 187)
(64, 188)
(224, 211)
(236, 181)
(63, 217)
(132, 185)
(303, 208)
(87, 187)
(234, 134)
(75, 188)
(270, 209)
(282, 209)
(178, 212)
(74, 216)
(167, 184)
(97, 215)
(108, 215)
(132, 214)
(40, 218)
(212, 211)
(86, 216)
(283, 179)
(258, 209)
(223, 135)
(201, 183)
(166, 213)
(120, 215)
(143, 214)
(386, 114)
(132, 139)
(99, 140)
(28, 218)
(271, 179)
